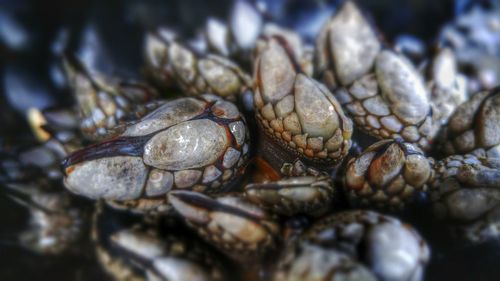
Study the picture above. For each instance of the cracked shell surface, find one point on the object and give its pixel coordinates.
(169, 114)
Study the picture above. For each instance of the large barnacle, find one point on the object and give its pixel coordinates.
(392, 102)
(300, 121)
(190, 143)
(296, 114)
(380, 89)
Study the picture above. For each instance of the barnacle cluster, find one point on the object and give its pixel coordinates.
(267, 129)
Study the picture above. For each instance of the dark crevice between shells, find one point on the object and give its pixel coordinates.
(120, 146)
(193, 198)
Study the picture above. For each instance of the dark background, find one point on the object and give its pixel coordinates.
(109, 33)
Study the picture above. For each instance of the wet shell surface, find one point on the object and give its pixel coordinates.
(230, 222)
(380, 89)
(346, 46)
(388, 174)
(170, 63)
(392, 102)
(188, 143)
(297, 112)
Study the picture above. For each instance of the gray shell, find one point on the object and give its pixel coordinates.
(392, 251)
(172, 64)
(189, 143)
(392, 102)
(465, 191)
(297, 112)
(474, 126)
(378, 88)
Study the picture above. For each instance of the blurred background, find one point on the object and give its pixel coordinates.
(108, 36)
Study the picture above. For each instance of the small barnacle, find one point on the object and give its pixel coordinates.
(388, 174)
